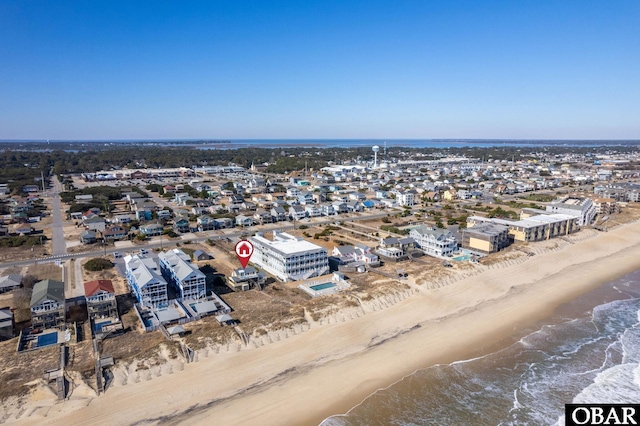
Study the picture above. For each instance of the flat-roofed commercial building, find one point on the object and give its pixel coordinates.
(582, 208)
(289, 258)
(535, 228)
(605, 206)
(486, 237)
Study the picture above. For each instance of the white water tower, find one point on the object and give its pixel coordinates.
(375, 149)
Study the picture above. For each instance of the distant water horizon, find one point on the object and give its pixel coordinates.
(340, 143)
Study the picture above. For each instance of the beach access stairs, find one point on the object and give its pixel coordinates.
(243, 336)
(412, 258)
(398, 276)
(187, 353)
(57, 374)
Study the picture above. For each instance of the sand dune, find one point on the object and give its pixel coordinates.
(303, 375)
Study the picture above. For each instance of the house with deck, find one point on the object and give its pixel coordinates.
(94, 223)
(48, 305)
(243, 279)
(88, 237)
(180, 273)
(101, 299)
(181, 225)
(145, 281)
(297, 212)
(434, 241)
(151, 229)
(359, 254)
(7, 324)
(279, 214)
(10, 282)
(205, 223)
(115, 233)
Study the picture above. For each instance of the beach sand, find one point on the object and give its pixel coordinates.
(307, 374)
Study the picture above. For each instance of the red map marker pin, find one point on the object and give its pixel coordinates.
(244, 250)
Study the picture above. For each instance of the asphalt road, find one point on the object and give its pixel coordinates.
(157, 242)
(59, 245)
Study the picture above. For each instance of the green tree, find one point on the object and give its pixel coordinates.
(98, 264)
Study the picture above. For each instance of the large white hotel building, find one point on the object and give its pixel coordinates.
(289, 258)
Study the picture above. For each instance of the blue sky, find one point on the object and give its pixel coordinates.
(319, 69)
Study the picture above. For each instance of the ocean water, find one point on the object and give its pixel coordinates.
(588, 352)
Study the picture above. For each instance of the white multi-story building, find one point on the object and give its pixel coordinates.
(145, 281)
(433, 241)
(177, 269)
(289, 258)
(582, 208)
(405, 198)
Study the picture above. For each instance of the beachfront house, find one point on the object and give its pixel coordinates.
(262, 216)
(359, 254)
(289, 258)
(582, 208)
(145, 281)
(101, 299)
(327, 209)
(243, 279)
(181, 274)
(48, 304)
(312, 210)
(433, 241)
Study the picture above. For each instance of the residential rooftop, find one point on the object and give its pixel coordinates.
(286, 244)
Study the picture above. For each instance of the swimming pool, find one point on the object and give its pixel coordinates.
(48, 339)
(98, 326)
(463, 256)
(322, 286)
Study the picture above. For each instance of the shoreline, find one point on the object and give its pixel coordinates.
(329, 369)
